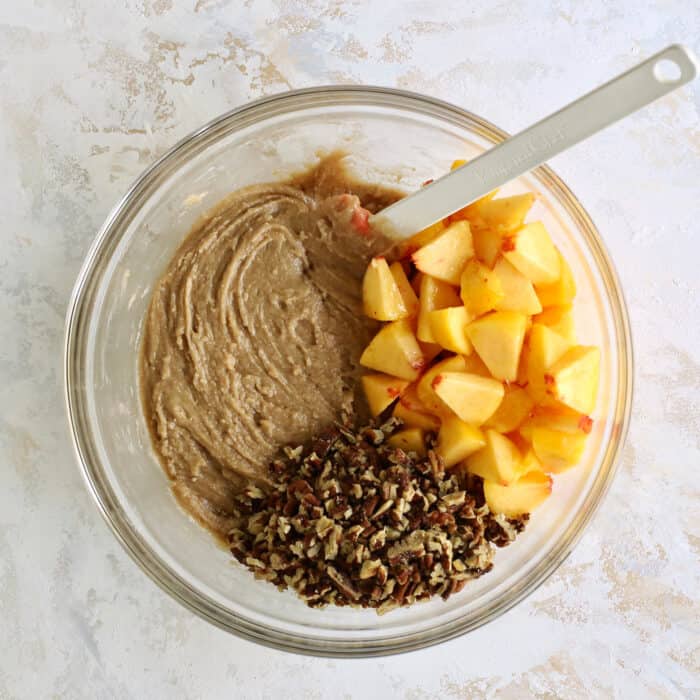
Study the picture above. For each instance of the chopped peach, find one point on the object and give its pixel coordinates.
(498, 461)
(504, 213)
(457, 440)
(498, 338)
(381, 390)
(531, 251)
(562, 291)
(522, 496)
(555, 417)
(573, 378)
(560, 319)
(530, 463)
(557, 450)
(434, 294)
(518, 293)
(412, 244)
(424, 388)
(445, 256)
(480, 288)
(487, 245)
(449, 328)
(408, 296)
(414, 413)
(473, 364)
(472, 398)
(409, 440)
(395, 351)
(512, 411)
(430, 351)
(545, 347)
(381, 296)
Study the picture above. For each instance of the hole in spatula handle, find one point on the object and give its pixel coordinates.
(667, 71)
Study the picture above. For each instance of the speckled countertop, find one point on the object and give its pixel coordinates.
(91, 92)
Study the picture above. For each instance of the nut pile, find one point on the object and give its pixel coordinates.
(354, 521)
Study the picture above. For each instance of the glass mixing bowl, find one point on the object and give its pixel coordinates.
(395, 138)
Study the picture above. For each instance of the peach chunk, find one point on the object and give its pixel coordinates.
(560, 319)
(408, 296)
(457, 440)
(487, 245)
(414, 413)
(434, 294)
(499, 460)
(520, 497)
(409, 440)
(562, 291)
(472, 398)
(424, 388)
(411, 245)
(513, 410)
(503, 214)
(395, 351)
(545, 347)
(381, 296)
(445, 256)
(557, 450)
(449, 328)
(518, 293)
(573, 378)
(498, 338)
(381, 390)
(480, 288)
(531, 251)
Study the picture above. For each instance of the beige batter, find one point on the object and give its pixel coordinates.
(254, 332)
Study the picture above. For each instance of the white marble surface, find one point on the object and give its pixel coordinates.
(92, 91)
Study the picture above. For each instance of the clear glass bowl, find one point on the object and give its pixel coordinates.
(396, 138)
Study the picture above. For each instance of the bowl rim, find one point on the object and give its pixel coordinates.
(102, 493)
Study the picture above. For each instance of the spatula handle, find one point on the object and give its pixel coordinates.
(634, 89)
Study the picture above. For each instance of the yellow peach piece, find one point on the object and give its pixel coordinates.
(472, 398)
(487, 245)
(449, 328)
(557, 450)
(531, 251)
(503, 214)
(424, 388)
(457, 440)
(518, 293)
(555, 416)
(411, 410)
(530, 463)
(545, 347)
(473, 364)
(498, 338)
(409, 440)
(395, 351)
(520, 497)
(480, 288)
(499, 460)
(562, 291)
(573, 378)
(512, 411)
(560, 319)
(381, 390)
(445, 256)
(412, 244)
(434, 294)
(408, 296)
(381, 297)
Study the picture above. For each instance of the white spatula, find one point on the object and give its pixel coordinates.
(654, 78)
